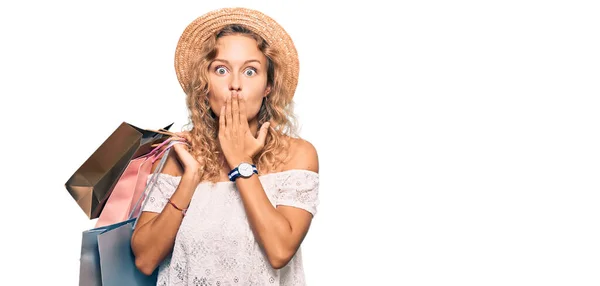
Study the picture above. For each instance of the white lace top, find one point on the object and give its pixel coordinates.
(215, 245)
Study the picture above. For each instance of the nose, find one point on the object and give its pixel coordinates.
(235, 84)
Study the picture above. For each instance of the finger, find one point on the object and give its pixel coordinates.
(235, 110)
(182, 136)
(222, 121)
(243, 118)
(181, 151)
(262, 134)
(180, 147)
(228, 115)
(178, 138)
(179, 142)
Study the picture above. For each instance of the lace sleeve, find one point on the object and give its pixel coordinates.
(300, 189)
(160, 192)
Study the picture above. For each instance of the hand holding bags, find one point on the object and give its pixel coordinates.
(93, 182)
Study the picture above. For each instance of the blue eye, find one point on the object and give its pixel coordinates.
(250, 72)
(221, 70)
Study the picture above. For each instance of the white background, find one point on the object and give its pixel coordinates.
(458, 141)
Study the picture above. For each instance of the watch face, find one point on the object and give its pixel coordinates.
(245, 169)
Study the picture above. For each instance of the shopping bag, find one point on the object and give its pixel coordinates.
(130, 186)
(91, 185)
(117, 262)
(89, 263)
(106, 255)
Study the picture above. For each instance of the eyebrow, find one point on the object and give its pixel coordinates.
(227, 62)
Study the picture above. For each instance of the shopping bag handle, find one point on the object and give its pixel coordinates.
(162, 131)
(163, 151)
(156, 147)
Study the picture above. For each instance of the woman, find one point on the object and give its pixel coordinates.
(234, 206)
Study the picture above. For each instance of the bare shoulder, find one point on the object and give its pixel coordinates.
(302, 155)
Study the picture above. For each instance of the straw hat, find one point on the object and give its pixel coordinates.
(209, 24)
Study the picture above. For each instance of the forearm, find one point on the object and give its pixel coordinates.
(154, 240)
(271, 229)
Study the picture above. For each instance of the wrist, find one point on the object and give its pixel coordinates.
(245, 170)
(193, 177)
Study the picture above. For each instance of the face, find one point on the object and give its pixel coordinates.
(238, 67)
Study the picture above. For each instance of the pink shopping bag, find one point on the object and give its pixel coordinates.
(130, 185)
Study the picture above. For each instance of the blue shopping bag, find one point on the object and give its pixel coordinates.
(117, 262)
(90, 263)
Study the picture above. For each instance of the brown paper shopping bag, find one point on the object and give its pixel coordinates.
(91, 185)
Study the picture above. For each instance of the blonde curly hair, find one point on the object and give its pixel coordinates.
(276, 108)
